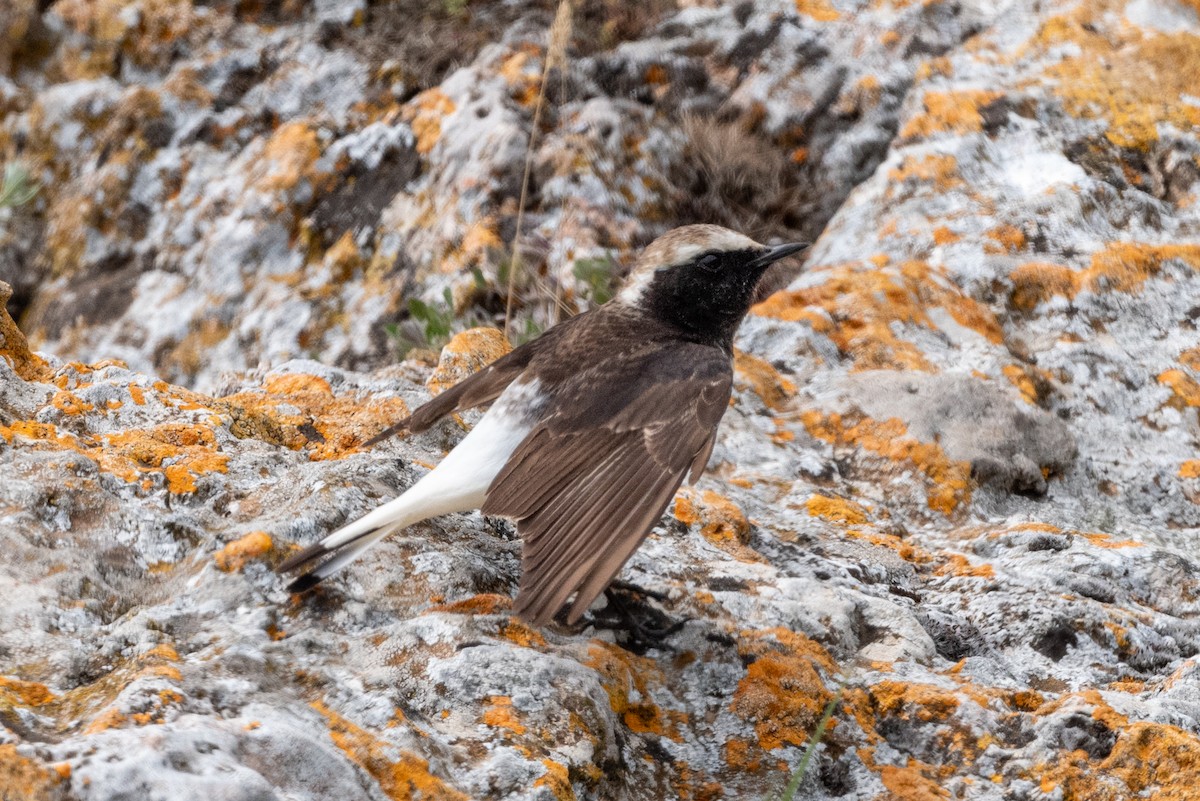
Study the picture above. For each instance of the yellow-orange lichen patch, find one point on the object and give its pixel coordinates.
(944, 236)
(1131, 80)
(1021, 379)
(1190, 358)
(288, 157)
(939, 169)
(465, 354)
(820, 10)
(912, 701)
(1102, 540)
(501, 715)
(401, 774)
(863, 304)
(28, 779)
(958, 565)
(1125, 266)
(328, 426)
(837, 510)
(517, 631)
(949, 486)
(235, 555)
(180, 452)
(15, 692)
(1185, 390)
(482, 604)
(949, 112)
(625, 678)
(721, 521)
(1006, 239)
(1190, 469)
(1035, 282)
(480, 238)
(1156, 760)
(782, 691)
(557, 780)
(909, 783)
(428, 110)
(14, 348)
(763, 379)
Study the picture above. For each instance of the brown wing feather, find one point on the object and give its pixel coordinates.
(591, 481)
(476, 390)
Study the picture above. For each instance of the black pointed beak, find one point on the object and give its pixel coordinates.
(774, 254)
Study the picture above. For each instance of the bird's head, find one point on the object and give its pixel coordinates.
(701, 278)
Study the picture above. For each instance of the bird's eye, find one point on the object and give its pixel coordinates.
(709, 263)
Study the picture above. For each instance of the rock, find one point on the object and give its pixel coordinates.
(958, 478)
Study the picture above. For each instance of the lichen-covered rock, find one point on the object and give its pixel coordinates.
(959, 476)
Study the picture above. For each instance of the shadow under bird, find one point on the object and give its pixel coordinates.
(593, 425)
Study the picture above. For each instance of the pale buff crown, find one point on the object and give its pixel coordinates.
(679, 246)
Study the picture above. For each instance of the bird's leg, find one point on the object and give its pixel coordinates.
(646, 626)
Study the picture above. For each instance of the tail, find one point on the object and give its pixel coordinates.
(347, 543)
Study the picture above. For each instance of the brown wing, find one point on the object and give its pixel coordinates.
(594, 477)
(482, 387)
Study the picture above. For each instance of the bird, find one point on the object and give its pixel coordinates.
(592, 428)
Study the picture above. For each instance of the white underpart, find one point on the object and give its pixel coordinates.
(459, 483)
(640, 280)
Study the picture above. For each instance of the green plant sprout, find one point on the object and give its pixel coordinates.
(17, 189)
(810, 748)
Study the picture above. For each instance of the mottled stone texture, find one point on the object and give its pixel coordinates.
(960, 475)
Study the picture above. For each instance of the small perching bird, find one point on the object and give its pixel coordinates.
(593, 425)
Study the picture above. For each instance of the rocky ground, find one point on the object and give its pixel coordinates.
(960, 479)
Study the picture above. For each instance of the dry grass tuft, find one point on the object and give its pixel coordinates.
(556, 56)
(735, 176)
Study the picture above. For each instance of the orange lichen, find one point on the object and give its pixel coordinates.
(180, 452)
(328, 426)
(14, 692)
(1191, 359)
(28, 779)
(1128, 79)
(819, 10)
(516, 631)
(909, 783)
(235, 555)
(401, 774)
(1125, 266)
(763, 379)
(949, 112)
(949, 480)
(958, 565)
(465, 354)
(1008, 239)
(721, 521)
(1036, 282)
(863, 306)
(912, 701)
(1190, 469)
(939, 169)
(431, 107)
(837, 510)
(1021, 379)
(742, 755)
(13, 346)
(557, 780)
(625, 678)
(482, 604)
(944, 236)
(1102, 540)
(288, 157)
(1185, 390)
(782, 693)
(501, 715)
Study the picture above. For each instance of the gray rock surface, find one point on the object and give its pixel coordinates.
(960, 473)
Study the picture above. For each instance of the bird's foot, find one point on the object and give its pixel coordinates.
(644, 625)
